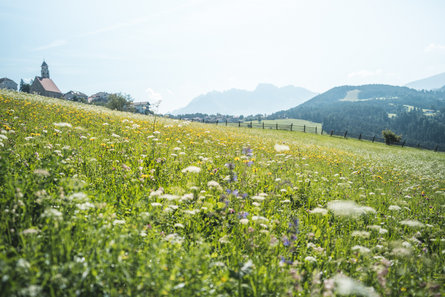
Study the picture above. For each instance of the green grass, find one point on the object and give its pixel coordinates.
(101, 203)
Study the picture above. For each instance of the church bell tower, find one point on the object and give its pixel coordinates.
(45, 71)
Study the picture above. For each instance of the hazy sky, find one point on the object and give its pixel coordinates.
(175, 50)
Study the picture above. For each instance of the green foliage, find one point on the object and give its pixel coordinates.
(93, 202)
(119, 102)
(391, 137)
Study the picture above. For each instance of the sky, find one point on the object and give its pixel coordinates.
(175, 50)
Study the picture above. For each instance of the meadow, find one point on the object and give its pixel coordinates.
(95, 202)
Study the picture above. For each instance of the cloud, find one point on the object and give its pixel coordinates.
(434, 47)
(55, 43)
(365, 73)
(152, 95)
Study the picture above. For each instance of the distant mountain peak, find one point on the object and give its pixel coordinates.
(265, 98)
(430, 83)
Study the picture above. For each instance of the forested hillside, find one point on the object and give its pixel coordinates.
(419, 116)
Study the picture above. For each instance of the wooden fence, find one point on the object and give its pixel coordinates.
(317, 130)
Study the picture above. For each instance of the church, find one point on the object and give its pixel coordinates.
(43, 85)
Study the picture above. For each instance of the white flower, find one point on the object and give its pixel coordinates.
(281, 147)
(319, 210)
(310, 259)
(361, 249)
(115, 135)
(214, 184)
(179, 225)
(412, 223)
(347, 286)
(63, 125)
(52, 213)
(244, 221)
(41, 172)
(85, 206)
(224, 239)
(348, 208)
(258, 198)
(363, 234)
(170, 197)
(118, 222)
(394, 207)
(192, 169)
(158, 192)
(260, 219)
(30, 231)
(154, 204)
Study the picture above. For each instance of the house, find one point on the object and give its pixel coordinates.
(100, 98)
(43, 85)
(141, 107)
(75, 96)
(6, 83)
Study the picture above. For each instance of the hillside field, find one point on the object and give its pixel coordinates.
(95, 202)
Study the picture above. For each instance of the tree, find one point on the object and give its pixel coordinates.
(24, 87)
(120, 102)
(391, 137)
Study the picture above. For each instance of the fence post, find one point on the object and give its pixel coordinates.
(226, 122)
(373, 139)
(346, 133)
(304, 128)
(263, 125)
(437, 147)
(403, 144)
(203, 120)
(360, 136)
(316, 130)
(332, 131)
(251, 125)
(239, 123)
(276, 126)
(291, 124)
(217, 122)
(321, 131)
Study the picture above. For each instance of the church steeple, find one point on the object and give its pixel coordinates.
(45, 71)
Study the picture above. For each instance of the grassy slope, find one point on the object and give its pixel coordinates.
(103, 208)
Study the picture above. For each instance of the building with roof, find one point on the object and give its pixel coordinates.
(141, 107)
(100, 98)
(43, 85)
(76, 96)
(6, 83)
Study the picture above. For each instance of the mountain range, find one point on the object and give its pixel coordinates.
(266, 98)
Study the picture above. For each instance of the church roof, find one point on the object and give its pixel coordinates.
(48, 84)
(44, 64)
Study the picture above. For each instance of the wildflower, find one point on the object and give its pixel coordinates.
(63, 125)
(281, 147)
(154, 204)
(310, 259)
(30, 231)
(394, 207)
(319, 210)
(347, 286)
(192, 169)
(52, 213)
(412, 223)
(348, 208)
(260, 219)
(224, 239)
(118, 222)
(363, 234)
(179, 225)
(85, 206)
(244, 221)
(214, 185)
(361, 249)
(41, 172)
